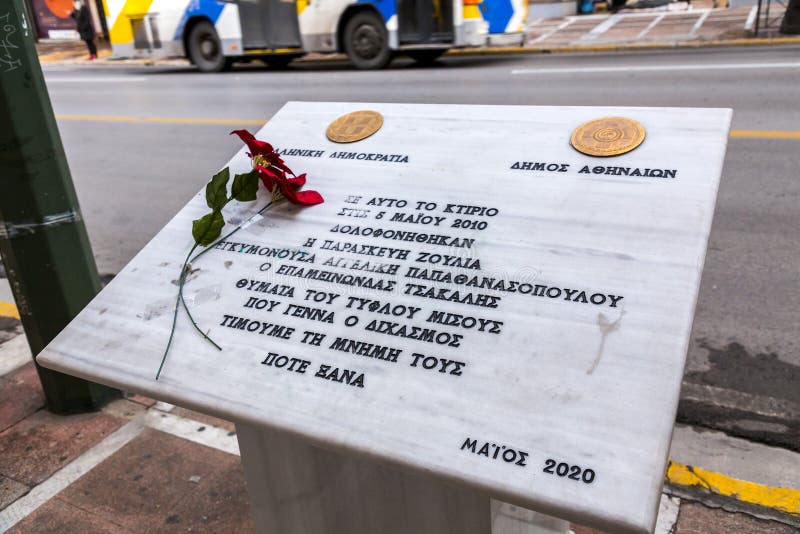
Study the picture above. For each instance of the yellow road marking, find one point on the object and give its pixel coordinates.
(766, 134)
(8, 309)
(159, 120)
(782, 499)
(744, 134)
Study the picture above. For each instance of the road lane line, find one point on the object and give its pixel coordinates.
(99, 79)
(660, 68)
(766, 134)
(783, 499)
(157, 120)
(755, 134)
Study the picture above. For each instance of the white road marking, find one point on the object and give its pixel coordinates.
(659, 68)
(650, 26)
(98, 79)
(68, 474)
(667, 514)
(216, 438)
(14, 353)
(181, 427)
(699, 22)
(164, 406)
(751, 19)
(601, 28)
(554, 30)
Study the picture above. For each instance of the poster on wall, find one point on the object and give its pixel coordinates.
(53, 20)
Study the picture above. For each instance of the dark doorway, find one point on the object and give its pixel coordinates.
(269, 24)
(425, 21)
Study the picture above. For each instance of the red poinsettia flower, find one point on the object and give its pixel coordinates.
(274, 172)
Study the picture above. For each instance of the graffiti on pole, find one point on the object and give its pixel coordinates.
(8, 58)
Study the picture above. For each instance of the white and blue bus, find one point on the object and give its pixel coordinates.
(214, 33)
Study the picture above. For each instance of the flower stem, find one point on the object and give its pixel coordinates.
(191, 318)
(175, 312)
(226, 236)
(182, 280)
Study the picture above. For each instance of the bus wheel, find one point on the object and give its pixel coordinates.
(205, 49)
(426, 57)
(365, 41)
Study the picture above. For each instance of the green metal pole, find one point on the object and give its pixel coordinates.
(43, 241)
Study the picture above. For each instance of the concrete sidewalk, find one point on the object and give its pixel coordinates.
(679, 24)
(145, 466)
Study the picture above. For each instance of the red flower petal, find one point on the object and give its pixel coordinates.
(255, 146)
(278, 162)
(309, 198)
(268, 177)
(298, 181)
(275, 174)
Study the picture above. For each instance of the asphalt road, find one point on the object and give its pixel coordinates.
(744, 361)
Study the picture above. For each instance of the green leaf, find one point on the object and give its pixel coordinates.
(245, 186)
(207, 228)
(217, 191)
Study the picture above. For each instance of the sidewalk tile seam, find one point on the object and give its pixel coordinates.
(81, 508)
(50, 487)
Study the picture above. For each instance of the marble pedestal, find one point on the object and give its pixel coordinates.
(296, 488)
(475, 303)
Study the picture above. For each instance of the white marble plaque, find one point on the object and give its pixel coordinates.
(475, 299)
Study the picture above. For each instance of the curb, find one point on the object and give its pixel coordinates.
(723, 410)
(782, 500)
(8, 309)
(618, 47)
(56, 57)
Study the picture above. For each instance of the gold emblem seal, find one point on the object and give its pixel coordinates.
(607, 136)
(354, 126)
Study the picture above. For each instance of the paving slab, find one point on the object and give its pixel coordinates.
(151, 481)
(43, 443)
(124, 408)
(10, 491)
(140, 399)
(57, 517)
(21, 395)
(220, 504)
(695, 518)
